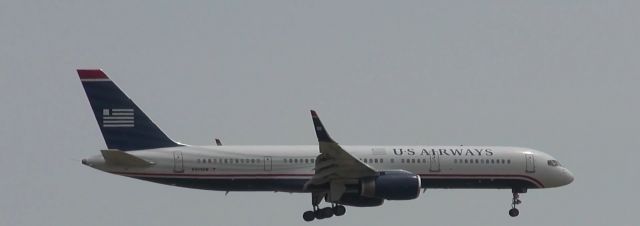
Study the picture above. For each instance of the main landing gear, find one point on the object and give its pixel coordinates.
(322, 213)
(514, 212)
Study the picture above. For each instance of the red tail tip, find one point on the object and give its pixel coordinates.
(91, 74)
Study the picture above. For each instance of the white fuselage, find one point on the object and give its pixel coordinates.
(341, 175)
(286, 168)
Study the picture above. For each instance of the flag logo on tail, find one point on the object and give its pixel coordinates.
(117, 118)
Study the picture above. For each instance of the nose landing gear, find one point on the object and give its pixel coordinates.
(514, 212)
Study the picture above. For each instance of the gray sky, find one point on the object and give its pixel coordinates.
(558, 76)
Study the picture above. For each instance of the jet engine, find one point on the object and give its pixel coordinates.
(391, 185)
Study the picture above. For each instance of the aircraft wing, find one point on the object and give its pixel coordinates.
(334, 165)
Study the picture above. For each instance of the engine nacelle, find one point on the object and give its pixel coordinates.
(359, 201)
(392, 185)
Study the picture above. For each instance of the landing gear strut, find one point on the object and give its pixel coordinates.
(514, 212)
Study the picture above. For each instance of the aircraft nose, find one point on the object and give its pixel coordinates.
(84, 161)
(568, 176)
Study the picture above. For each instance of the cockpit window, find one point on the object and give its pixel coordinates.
(553, 163)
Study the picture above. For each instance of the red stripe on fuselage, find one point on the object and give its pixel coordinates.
(443, 176)
(486, 176)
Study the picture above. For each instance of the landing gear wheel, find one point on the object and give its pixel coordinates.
(322, 213)
(339, 210)
(327, 212)
(514, 212)
(308, 216)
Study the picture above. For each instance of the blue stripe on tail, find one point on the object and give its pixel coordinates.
(124, 126)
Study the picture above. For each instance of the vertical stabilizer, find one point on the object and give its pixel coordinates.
(123, 125)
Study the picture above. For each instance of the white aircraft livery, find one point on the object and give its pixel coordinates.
(341, 175)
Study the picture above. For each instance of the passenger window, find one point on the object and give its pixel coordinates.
(508, 161)
(476, 161)
(381, 160)
(392, 160)
(502, 161)
(492, 161)
(375, 160)
(313, 160)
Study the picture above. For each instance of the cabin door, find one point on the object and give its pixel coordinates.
(434, 163)
(178, 162)
(267, 163)
(531, 167)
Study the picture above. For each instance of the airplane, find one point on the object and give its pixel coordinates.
(341, 175)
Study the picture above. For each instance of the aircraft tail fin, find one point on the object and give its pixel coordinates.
(123, 125)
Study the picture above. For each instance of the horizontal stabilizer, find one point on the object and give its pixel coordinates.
(121, 158)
